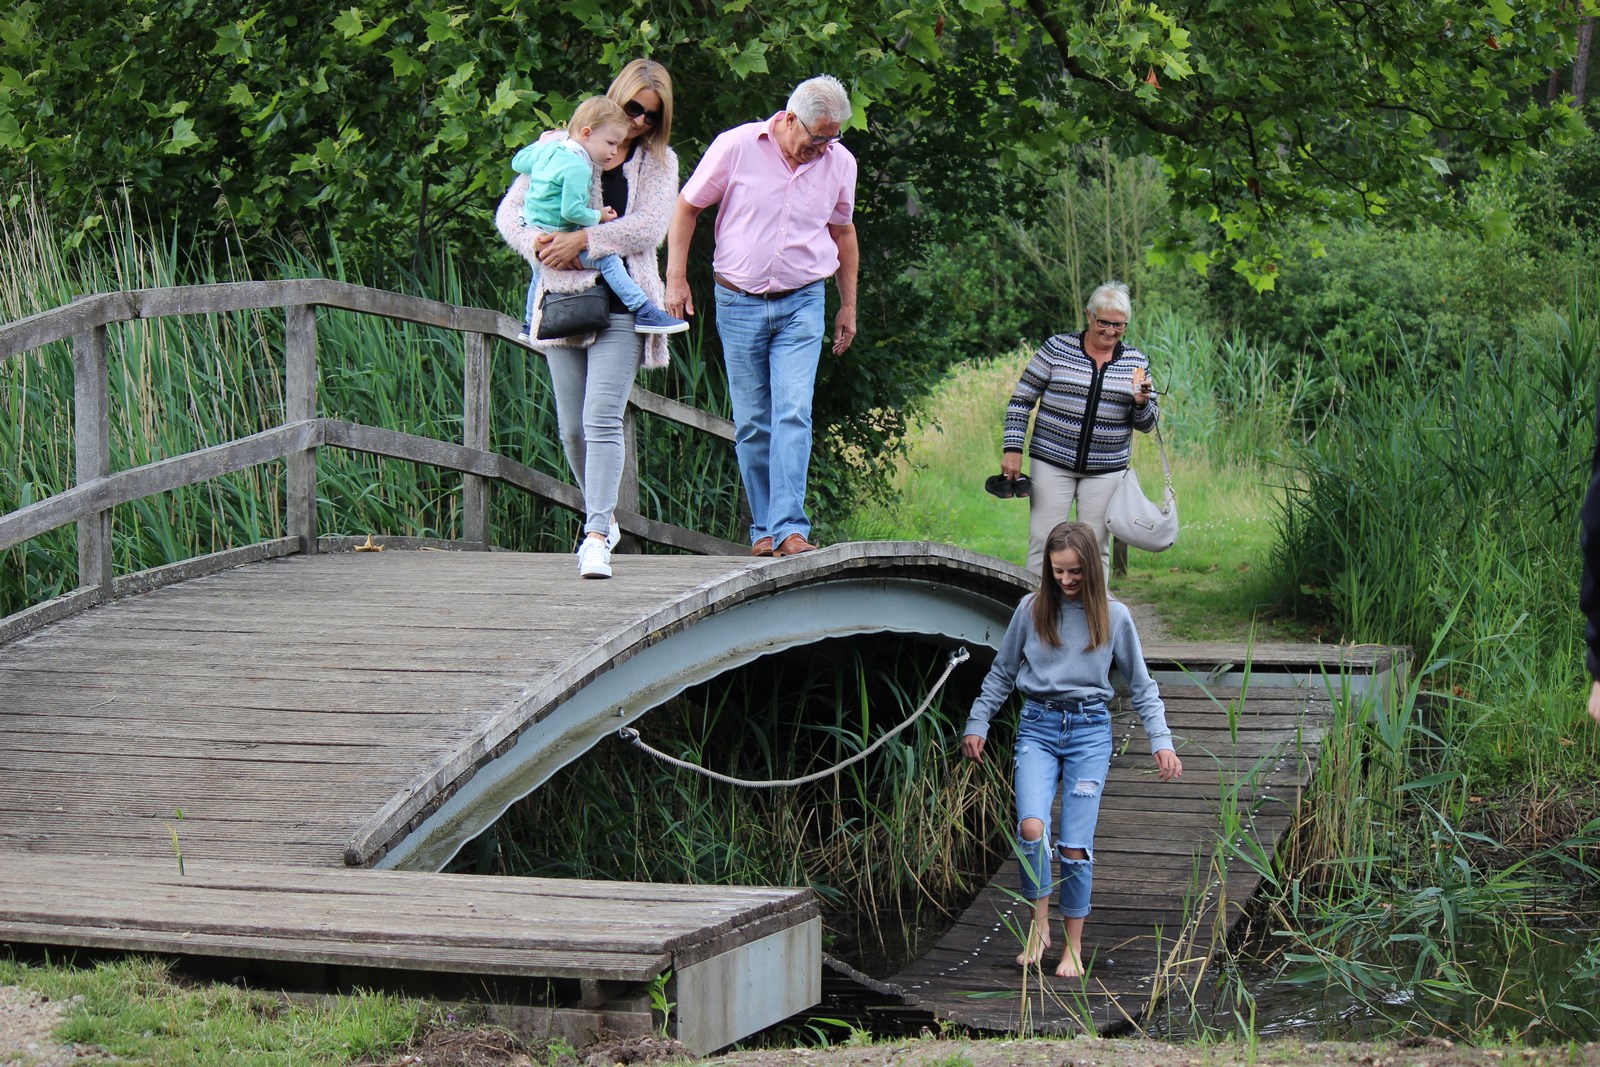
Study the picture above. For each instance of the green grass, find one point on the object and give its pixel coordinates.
(138, 1012)
(1212, 585)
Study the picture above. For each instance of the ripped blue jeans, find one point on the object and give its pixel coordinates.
(1062, 746)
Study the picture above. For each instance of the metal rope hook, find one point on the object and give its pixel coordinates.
(630, 736)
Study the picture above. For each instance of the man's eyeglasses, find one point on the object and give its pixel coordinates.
(815, 140)
(1108, 324)
(633, 109)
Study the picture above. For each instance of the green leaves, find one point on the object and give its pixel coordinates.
(1261, 111)
(751, 60)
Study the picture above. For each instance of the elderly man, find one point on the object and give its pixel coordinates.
(786, 187)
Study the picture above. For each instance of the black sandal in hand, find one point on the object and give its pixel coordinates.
(1005, 488)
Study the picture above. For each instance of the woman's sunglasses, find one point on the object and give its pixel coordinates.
(633, 109)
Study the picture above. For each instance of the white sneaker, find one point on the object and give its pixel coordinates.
(594, 559)
(613, 535)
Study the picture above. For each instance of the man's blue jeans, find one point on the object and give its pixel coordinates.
(771, 348)
(1062, 746)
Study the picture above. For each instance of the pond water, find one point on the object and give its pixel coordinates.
(1540, 985)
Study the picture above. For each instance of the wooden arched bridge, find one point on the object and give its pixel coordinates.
(315, 712)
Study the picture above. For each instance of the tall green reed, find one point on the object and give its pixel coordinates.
(1098, 229)
(1238, 401)
(1450, 492)
(180, 384)
(907, 833)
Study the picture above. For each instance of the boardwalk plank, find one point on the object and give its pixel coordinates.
(284, 704)
(1153, 853)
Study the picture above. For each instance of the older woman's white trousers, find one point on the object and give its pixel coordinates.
(1055, 490)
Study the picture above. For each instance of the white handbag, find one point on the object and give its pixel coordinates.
(1134, 519)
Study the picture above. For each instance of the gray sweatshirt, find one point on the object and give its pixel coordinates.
(1034, 669)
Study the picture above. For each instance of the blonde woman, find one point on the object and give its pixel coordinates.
(593, 375)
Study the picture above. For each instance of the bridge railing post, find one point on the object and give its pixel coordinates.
(300, 402)
(91, 426)
(475, 434)
(628, 491)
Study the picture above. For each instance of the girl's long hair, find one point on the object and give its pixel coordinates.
(647, 74)
(1047, 602)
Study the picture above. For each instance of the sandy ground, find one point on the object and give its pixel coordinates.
(27, 1030)
(1426, 1052)
(28, 1021)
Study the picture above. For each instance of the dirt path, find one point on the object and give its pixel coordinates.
(27, 1030)
(1149, 624)
(1420, 1052)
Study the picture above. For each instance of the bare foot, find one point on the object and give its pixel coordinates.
(1071, 965)
(1038, 941)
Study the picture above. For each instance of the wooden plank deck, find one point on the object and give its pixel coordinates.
(303, 713)
(289, 707)
(398, 920)
(1156, 849)
(281, 705)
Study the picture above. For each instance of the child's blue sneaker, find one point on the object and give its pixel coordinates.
(651, 319)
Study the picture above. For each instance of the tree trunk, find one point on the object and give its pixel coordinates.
(1580, 64)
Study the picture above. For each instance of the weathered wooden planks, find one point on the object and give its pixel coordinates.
(365, 685)
(1162, 899)
(329, 679)
(388, 919)
(296, 705)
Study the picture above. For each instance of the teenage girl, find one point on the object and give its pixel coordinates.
(1058, 653)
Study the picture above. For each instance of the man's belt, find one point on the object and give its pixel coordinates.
(772, 294)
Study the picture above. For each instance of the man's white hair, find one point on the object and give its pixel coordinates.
(821, 97)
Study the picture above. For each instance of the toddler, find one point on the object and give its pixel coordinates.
(560, 174)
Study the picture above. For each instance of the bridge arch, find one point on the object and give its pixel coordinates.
(940, 592)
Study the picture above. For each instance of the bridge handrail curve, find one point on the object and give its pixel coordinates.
(97, 489)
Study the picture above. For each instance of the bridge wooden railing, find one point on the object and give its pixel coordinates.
(97, 488)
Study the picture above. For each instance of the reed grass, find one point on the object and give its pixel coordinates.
(179, 384)
(1449, 494)
(909, 834)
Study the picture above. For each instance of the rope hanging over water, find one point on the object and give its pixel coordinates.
(631, 736)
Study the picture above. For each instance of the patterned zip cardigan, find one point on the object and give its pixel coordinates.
(635, 236)
(1087, 415)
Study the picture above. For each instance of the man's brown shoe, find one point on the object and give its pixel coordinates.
(793, 545)
(762, 547)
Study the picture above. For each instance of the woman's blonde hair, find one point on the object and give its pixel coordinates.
(1096, 604)
(647, 74)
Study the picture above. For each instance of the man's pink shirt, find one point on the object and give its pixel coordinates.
(772, 228)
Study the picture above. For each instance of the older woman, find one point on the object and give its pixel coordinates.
(593, 375)
(1092, 392)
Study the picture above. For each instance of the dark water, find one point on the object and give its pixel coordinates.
(1538, 985)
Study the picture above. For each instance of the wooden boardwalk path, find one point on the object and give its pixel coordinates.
(314, 712)
(309, 710)
(1168, 888)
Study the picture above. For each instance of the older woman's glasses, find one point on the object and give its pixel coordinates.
(633, 109)
(1111, 324)
(818, 141)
